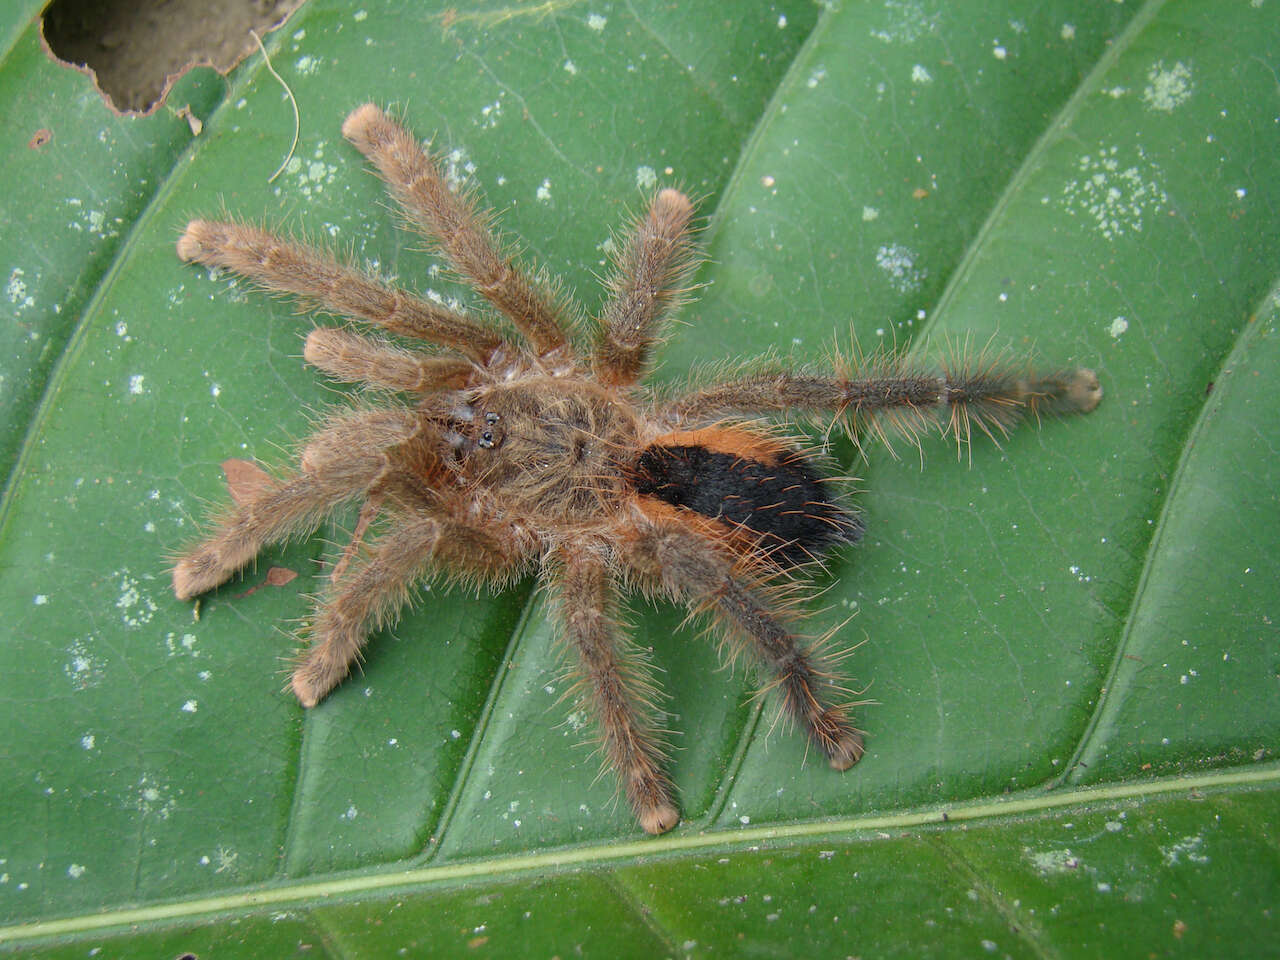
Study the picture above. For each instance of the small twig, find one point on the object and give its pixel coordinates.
(297, 120)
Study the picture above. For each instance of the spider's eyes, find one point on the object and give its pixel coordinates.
(486, 438)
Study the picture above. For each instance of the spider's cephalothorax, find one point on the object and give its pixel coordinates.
(548, 447)
(493, 455)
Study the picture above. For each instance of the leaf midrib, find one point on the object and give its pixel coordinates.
(890, 826)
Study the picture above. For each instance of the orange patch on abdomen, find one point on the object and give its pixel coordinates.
(736, 440)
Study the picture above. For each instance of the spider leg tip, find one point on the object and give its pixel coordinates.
(659, 819)
(190, 579)
(304, 690)
(1084, 390)
(672, 200)
(846, 751)
(190, 245)
(359, 120)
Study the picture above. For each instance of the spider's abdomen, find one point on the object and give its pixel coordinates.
(752, 485)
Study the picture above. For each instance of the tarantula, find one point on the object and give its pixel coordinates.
(497, 454)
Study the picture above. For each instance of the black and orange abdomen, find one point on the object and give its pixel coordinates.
(753, 485)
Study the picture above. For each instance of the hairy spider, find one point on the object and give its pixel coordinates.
(524, 452)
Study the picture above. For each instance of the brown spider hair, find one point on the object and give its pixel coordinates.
(492, 454)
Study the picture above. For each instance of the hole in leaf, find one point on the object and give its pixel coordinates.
(135, 48)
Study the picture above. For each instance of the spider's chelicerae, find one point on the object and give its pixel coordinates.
(500, 452)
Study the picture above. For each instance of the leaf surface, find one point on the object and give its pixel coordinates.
(1070, 638)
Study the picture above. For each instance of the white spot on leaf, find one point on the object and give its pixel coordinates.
(82, 668)
(1187, 849)
(907, 22)
(16, 289)
(1167, 87)
(1116, 192)
(899, 264)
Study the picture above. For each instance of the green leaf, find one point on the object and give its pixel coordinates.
(1070, 639)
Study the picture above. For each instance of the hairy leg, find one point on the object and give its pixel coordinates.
(888, 392)
(352, 358)
(295, 504)
(370, 592)
(369, 511)
(614, 682)
(647, 284)
(680, 560)
(286, 266)
(455, 222)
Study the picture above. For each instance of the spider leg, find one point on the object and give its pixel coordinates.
(647, 284)
(887, 392)
(368, 512)
(687, 564)
(286, 266)
(454, 221)
(353, 358)
(298, 502)
(614, 682)
(369, 593)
